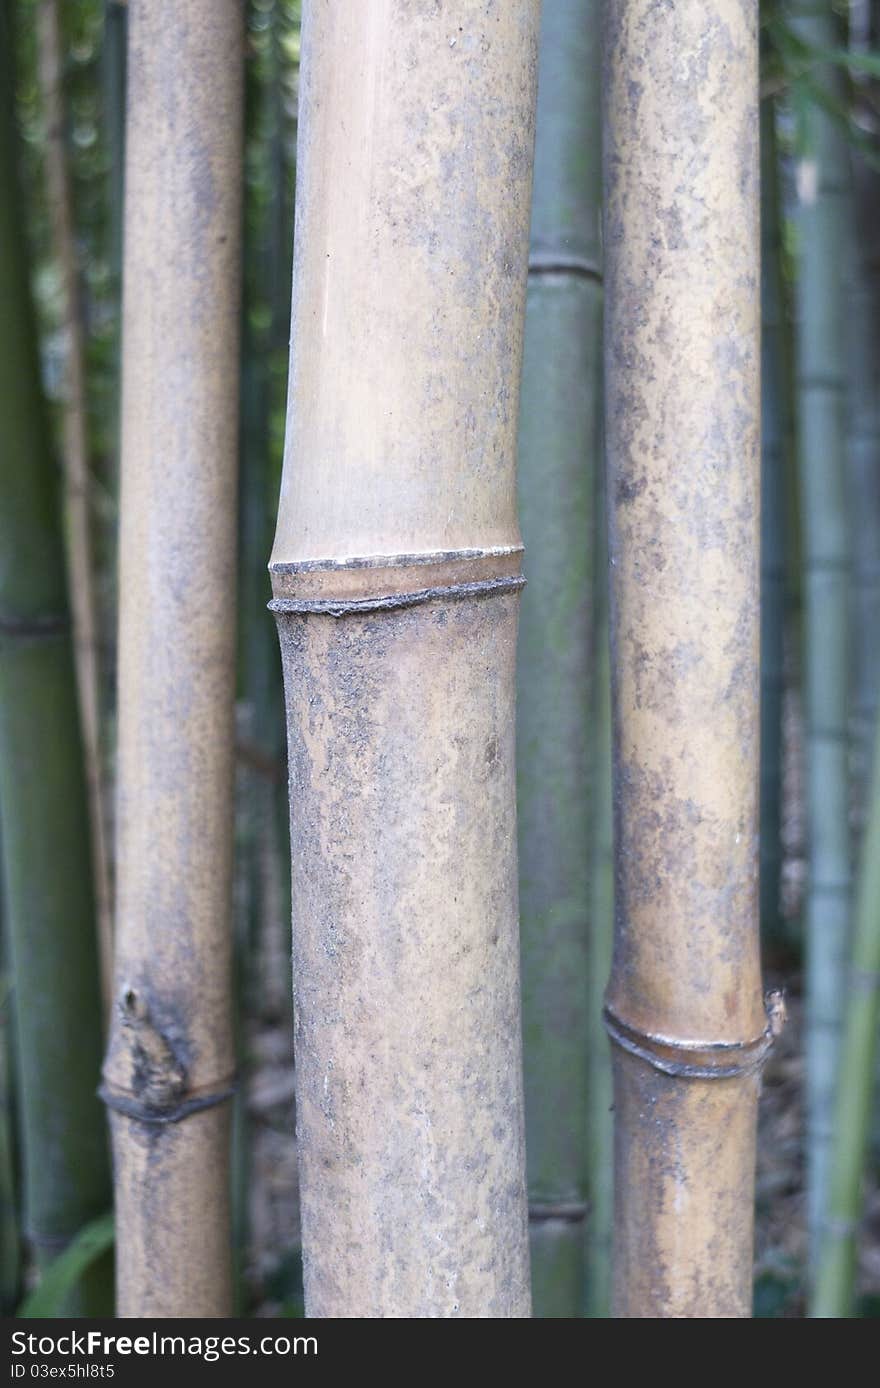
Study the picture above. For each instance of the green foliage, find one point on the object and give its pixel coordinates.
(795, 65)
(61, 1278)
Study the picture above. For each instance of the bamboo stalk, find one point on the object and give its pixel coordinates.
(43, 806)
(558, 440)
(684, 1006)
(169, 1068)
(863, 465)
(77, 481)
(820, 349)
(856, 1081)
(113, 83)
(396, 573)
(775, 434)
(600, 1094)
(10, 1245)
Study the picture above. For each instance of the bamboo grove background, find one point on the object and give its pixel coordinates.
(62, 143)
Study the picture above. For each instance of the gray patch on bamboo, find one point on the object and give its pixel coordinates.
(408, 1069)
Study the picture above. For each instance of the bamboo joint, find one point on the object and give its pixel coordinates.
(160, 1089)
(385, 582)
(703, 1060)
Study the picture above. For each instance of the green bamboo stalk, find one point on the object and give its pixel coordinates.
(10, 1245)
(114, 76)
(43, 805)
(775, 435)
(863, 462)
(10, 1249)
(600, 1088)
(558, 438)
(822, 213)
(863, 449)
(113, 79)
(254, 648)
(836, 1272)
(268, 241)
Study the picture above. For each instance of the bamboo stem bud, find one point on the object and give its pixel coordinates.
(684, 1004)
(396, 573)
(170, 1057)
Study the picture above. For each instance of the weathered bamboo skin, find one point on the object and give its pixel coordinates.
(396, 573)
(776, 434)
(409, 1110)
(405, 182)
(170, 1059)
(558, 448)
(684, 1004)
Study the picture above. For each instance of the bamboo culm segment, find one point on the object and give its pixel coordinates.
(684, 1005)
(405, 958)
(170, 1059)
(47, 881)
(775, 435)
(396, 573)
(863, 464)
(820, 341)
(856, 1081)
(600, 1093)
(77, 479)
(558, 444)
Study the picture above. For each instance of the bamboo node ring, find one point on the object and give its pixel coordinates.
(568, 1211)
(385, 583)
(386, 602)
(144, 1112)
(698, 1060)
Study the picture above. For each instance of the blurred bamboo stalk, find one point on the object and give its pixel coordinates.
(43, 802)
(10, 1246)
(823, 192)
(856, 1081)
(558, 444)
(396, 573)
(113, 93)
(113, 83)
(684, 1006)
(75, 459)
(170, 1062)
(600, 1092)
(775, 439)
(863, 471)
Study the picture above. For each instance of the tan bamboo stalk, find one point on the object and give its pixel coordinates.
(396, 573)
(75, 457)
(170, 1058)
(684, 1005)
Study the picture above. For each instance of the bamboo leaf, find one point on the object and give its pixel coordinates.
(49, 1298)
(855, 61)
